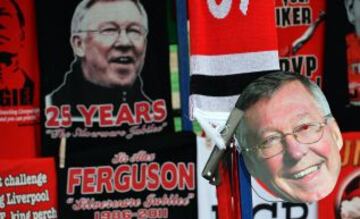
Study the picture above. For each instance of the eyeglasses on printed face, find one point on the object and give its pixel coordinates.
(135, 33)
(307, 133)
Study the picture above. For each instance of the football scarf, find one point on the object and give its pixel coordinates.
(28, 188)
(227, 51)
(225, 44)
(78, 106)
(301, 30)
(152, 176)
(19, 81)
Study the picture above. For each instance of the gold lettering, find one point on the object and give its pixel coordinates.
(346, 153)
(357, 153)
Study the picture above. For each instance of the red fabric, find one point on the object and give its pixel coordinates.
(301, 20)
(19, 108)
(236, 32)
(228, 193)
(345, 188)
(236, 186)
(13, 198)
(353, 61)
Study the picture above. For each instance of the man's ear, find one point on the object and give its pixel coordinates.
(78, 45)
(350, 10)
(336, 133)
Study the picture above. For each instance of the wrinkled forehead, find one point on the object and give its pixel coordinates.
(290, 103)
(116, 12)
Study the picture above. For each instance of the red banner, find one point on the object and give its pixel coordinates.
(353, 61)
(19, 80)
(301, 28)
(344, 201)
(28, 188)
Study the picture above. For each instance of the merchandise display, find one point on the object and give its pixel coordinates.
(193, 109)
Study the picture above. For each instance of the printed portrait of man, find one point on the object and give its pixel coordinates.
(109, 40)
(353, 13)
(353, 50)
(14, 81)
(348, 200)
(288, 137)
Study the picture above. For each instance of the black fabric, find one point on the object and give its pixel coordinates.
(56, 58)
(172, 150)
(222, 85)
(335, 76)
(77, 90)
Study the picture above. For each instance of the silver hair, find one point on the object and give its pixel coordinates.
(265, 86)
(84, 6)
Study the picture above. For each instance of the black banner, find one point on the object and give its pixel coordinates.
(341, 84)
(156, 179)
(105, 70)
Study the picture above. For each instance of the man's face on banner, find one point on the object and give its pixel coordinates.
(353, 12)
(114, 44)
(348, 200)
(356, 8)
(10, 30)
(301, 172)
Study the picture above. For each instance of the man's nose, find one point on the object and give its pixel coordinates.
(123, 39)
(294, 150)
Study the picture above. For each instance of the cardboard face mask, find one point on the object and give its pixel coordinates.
(288, 138)
(291, 146)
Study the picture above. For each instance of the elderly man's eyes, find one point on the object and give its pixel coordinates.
(271, 140)
(134, 29)
(108, 30)
(303, 127)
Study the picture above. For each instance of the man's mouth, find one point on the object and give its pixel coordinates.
(306, 172)
(122, 60)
